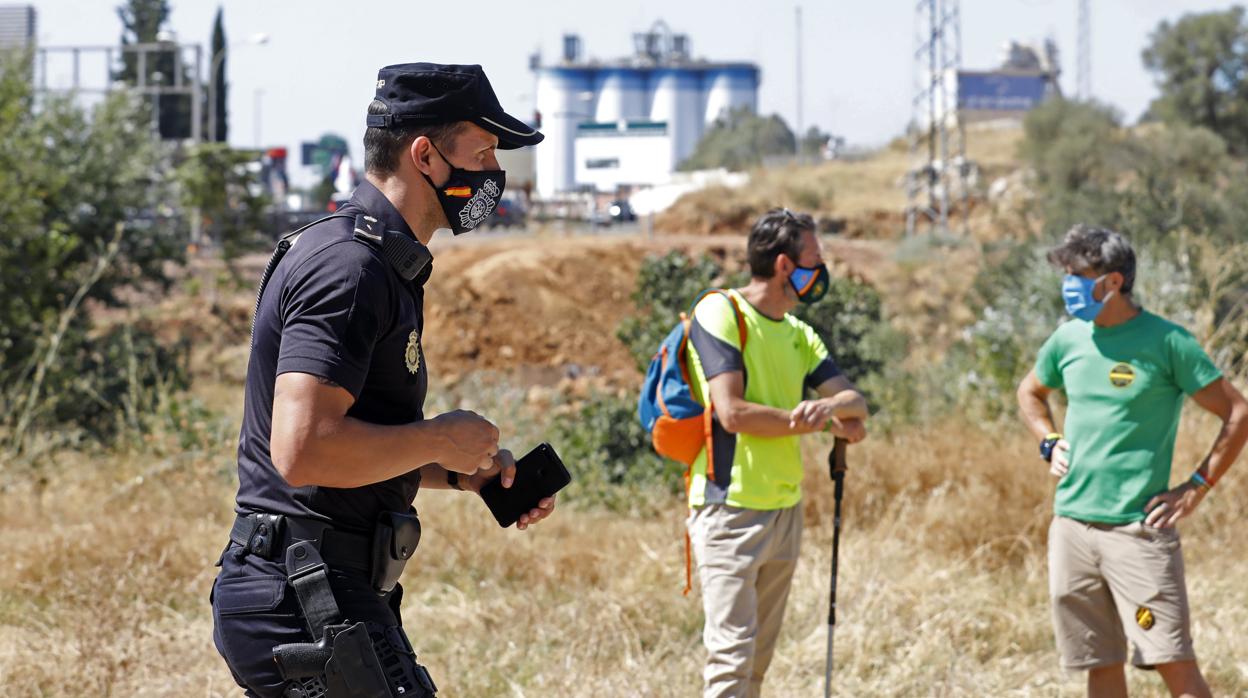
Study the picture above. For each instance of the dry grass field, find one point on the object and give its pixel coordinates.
(108, 563)
(106, 558)
(868, 194)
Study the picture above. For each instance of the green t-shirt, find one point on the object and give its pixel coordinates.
(782, 358)
(1124, 388)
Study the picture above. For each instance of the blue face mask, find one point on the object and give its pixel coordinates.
(1077, 292)
(810, 283)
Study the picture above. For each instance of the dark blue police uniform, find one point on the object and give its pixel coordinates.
(306, 604)
(333, 308)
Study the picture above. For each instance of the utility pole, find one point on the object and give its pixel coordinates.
(798, 44)
(1083, 73)
(937, 134)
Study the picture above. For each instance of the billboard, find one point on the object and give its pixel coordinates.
(1000, 91)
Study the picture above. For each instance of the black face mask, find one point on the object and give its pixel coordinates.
(468, 197)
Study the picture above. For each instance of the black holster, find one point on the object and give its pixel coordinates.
(353, 664)
(350, 659)
(395, 539)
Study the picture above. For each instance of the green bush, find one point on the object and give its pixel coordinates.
(84, 201)
(121, 376)
(215, 179)
(611, 459)
(1154, 184)
(1017, 297)
(666, 286)
(741, 139)
(613, 462)
(1198, 63)
(1173, 189)
(850, 317)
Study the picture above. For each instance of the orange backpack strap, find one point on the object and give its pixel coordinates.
(708, 413)
(708, 426)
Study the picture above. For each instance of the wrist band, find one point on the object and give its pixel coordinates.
(1046, 446)
(452, 479)
(1201, 482)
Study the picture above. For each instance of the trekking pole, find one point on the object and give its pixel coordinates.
(836, 467)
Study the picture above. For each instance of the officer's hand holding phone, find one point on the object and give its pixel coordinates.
(471, 441)
(504, 469)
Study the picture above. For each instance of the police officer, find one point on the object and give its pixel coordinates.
(334, 442)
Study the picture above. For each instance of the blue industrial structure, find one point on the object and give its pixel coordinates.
(661, 85)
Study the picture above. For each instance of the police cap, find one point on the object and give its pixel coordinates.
(425, 94)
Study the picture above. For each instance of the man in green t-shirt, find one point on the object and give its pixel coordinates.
(1115, 560)
(745, 523)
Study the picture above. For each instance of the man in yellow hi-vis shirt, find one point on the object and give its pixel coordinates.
(745, 495)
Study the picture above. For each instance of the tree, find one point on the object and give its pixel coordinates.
(741, 139)
(82, 196)
(142, 21)
(1201, 67)
(220, 87)
(1150, 183)
(217, 181)
(1072, 149)
(815, 142)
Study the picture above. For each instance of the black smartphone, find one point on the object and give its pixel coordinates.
(539, 474)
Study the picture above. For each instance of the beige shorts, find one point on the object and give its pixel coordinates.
(1117, 585)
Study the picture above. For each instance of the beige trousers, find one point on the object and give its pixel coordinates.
(746, 560)
(1114, 587)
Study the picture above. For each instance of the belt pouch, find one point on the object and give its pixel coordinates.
(394, 541)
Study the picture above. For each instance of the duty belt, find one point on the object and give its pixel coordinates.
(269, 535)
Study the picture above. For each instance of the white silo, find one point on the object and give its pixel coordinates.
(677, 100)
(728, 87)
(621, 95)
(565, 98)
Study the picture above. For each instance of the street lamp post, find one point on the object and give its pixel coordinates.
(259, 39)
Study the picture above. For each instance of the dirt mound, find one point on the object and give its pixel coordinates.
(531, 302)
(554, 303)
(544, 308)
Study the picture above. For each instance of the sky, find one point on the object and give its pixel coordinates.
(316, 73)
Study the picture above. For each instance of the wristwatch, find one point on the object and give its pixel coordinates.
(1046, 446)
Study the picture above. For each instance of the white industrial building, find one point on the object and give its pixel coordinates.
(629, 123)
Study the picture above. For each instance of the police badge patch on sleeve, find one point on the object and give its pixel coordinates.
(412, 355)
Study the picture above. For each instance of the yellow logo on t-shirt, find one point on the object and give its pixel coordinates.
(1121, 375)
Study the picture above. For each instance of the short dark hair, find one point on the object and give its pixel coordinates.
(777, 232)
(1099, 250)
(384, 146)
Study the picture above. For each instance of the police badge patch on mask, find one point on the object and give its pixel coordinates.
(468, 197)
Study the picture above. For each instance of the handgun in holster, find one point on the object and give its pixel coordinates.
(346, 658)
(354, 662)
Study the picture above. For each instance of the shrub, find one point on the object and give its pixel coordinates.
(84, 198)
(610, 456)
(666, 286)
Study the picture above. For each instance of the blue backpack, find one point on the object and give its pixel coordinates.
(679, 425)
